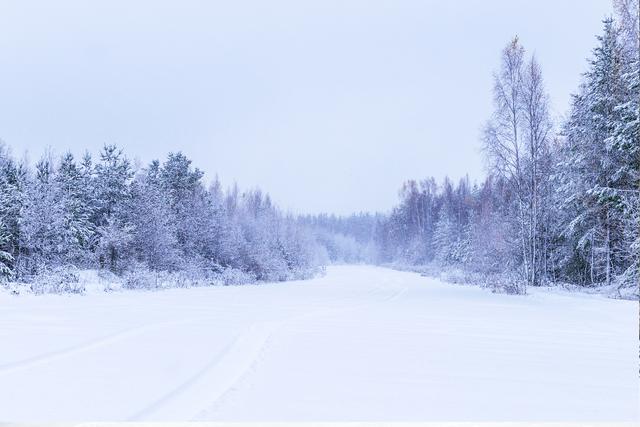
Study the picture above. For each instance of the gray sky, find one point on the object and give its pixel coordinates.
(327, 105)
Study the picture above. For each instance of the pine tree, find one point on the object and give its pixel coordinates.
(445, 240)
(113, 176)
(153, 237)
(42, 223)
(113, 197)
(591, 163)
(6, 260)
(625, 143)
(13, 183)
(183, 189)
(78, 230)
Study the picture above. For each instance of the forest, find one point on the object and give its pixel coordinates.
(160, 218)
(560, 203)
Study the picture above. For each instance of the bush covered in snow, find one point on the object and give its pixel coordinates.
(57, 280)
(141, 279)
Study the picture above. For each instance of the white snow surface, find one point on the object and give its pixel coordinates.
(360, 344)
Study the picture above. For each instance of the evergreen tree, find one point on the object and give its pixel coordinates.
(184, 192)
(154, 239)
(113, 197)
(625, 143)
(591, 166)
(112, 184)
(13, 183)
(78, 230)
(43, 223)
(6, 260)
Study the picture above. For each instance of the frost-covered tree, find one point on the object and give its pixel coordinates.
(628, 19)
(516, 143)
(219, 246)
(153, 234)
(503, 139)
(113, 176)
(6, 260)
(536, 124)
(112, 186)
(113, 248)
(184, 192)
(77, 210)
(593, 167)
(13, 183)
(625, 142)
(492, 238)
(449, 229)
(445, 240)
(43, 228)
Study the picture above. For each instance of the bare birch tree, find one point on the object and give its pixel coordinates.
(536, 130)
(502, 139)
(516, 143)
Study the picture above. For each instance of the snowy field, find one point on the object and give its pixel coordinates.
(361, 344)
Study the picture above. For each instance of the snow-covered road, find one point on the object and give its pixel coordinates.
(361, 344)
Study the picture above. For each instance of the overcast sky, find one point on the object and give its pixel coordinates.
(327, 105)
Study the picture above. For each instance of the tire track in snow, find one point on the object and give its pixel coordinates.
(211, 405)
(206, 386)
(87, 346)
(212, 381)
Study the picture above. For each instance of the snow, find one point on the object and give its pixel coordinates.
(360, 344)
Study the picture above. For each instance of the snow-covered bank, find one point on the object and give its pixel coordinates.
(70, 280)
(504, 283)
(362, 343)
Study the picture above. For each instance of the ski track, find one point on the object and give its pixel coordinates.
(210, 408)
(85, 347)
(229, 368)
(212, 381)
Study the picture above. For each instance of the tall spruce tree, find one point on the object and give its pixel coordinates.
(591, 165)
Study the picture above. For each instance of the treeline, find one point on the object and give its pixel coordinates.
(107, 215)
(346, 239)
(557, 206)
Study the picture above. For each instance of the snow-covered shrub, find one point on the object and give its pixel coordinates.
(113, 241)
(17, 288)
(197, 272)
(186, 279)
(58, 280)
(109, 280)
(307, 273)
(234, 276)
(459, 276)
(509, 283)
(141, 278)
